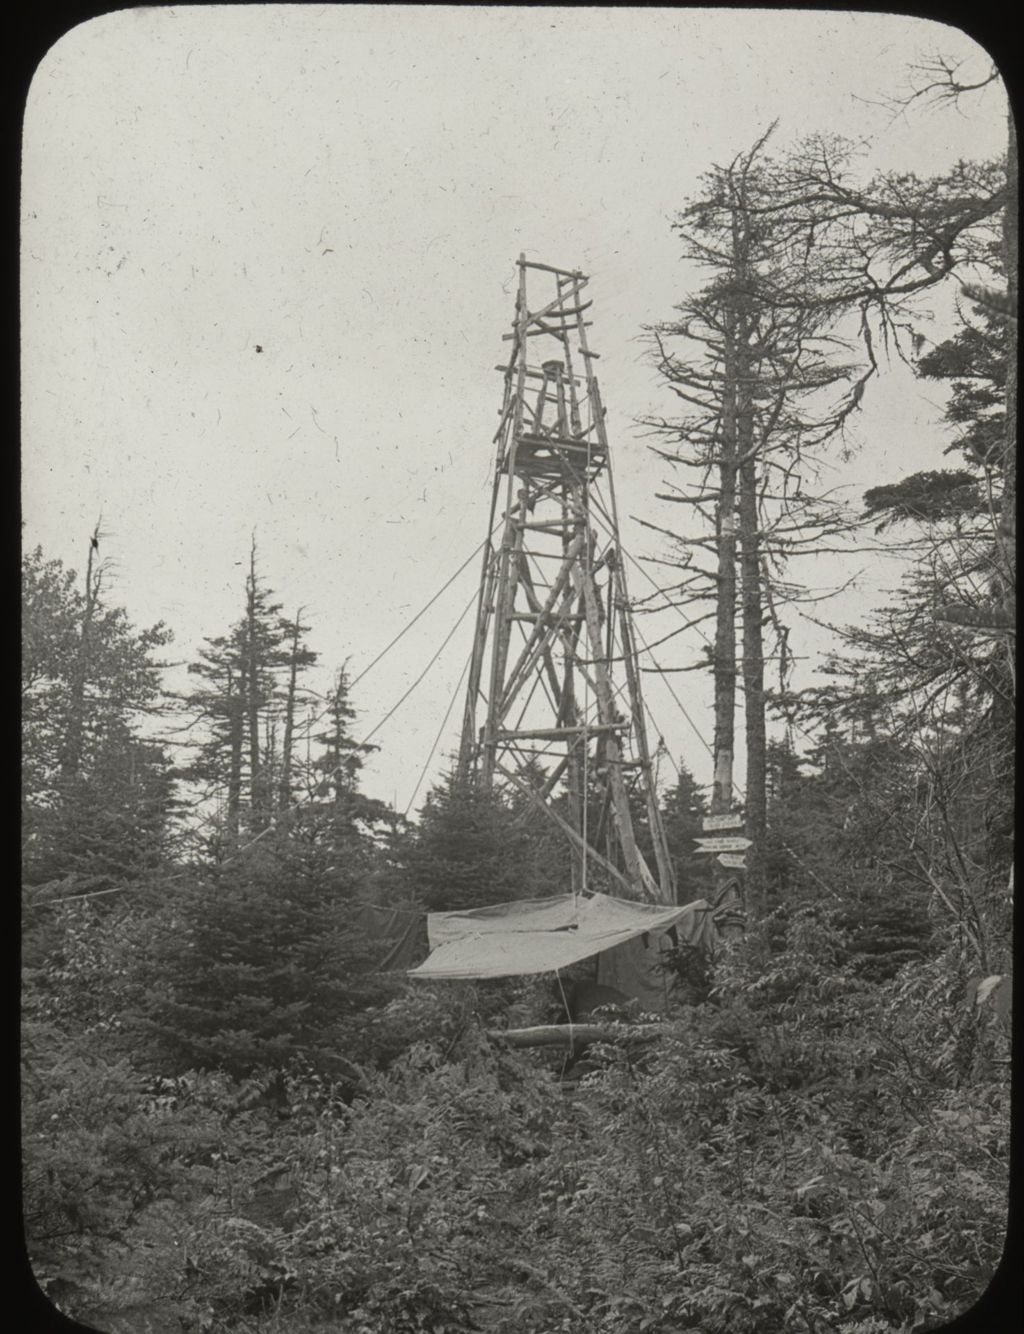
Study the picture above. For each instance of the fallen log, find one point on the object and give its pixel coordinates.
(570, 1035)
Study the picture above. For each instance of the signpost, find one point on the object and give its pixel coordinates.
(731, 821)
(735, 861)
(724, 843)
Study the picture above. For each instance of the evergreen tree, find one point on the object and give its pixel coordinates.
(935, 682)
(684, 806)
(97, 793)
(260, 640)
(336, 769)
(114, 822)
(839, 820)
(751, 361)
(219, 705)
(265, 965)
(298, 658)
(468, 849)
(269, 959)
(355, 829)
(247, 699)
(973, 364)
(546, 851)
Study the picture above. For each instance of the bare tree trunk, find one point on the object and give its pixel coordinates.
(252, 700)
(236, 707)
(753, 685)
(338, 744)
(725, 610)
(725, 615)
(750, 569)
(71, 757)
(750, 566)
(285, 786)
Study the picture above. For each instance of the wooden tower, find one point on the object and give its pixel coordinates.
(553, 705)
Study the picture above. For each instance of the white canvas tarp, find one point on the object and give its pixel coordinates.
(542, 935)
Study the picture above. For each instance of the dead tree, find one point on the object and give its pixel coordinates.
(753, 378)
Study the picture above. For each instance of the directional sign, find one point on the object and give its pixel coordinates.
(726, 843)
(734, 860)
(731, 821)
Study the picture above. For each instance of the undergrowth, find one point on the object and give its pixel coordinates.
(804, 1151)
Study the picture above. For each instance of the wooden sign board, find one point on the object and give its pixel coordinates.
(731, 821)
(734, 860)
(725, 843)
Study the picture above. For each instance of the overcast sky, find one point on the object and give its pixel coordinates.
(347, 188)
